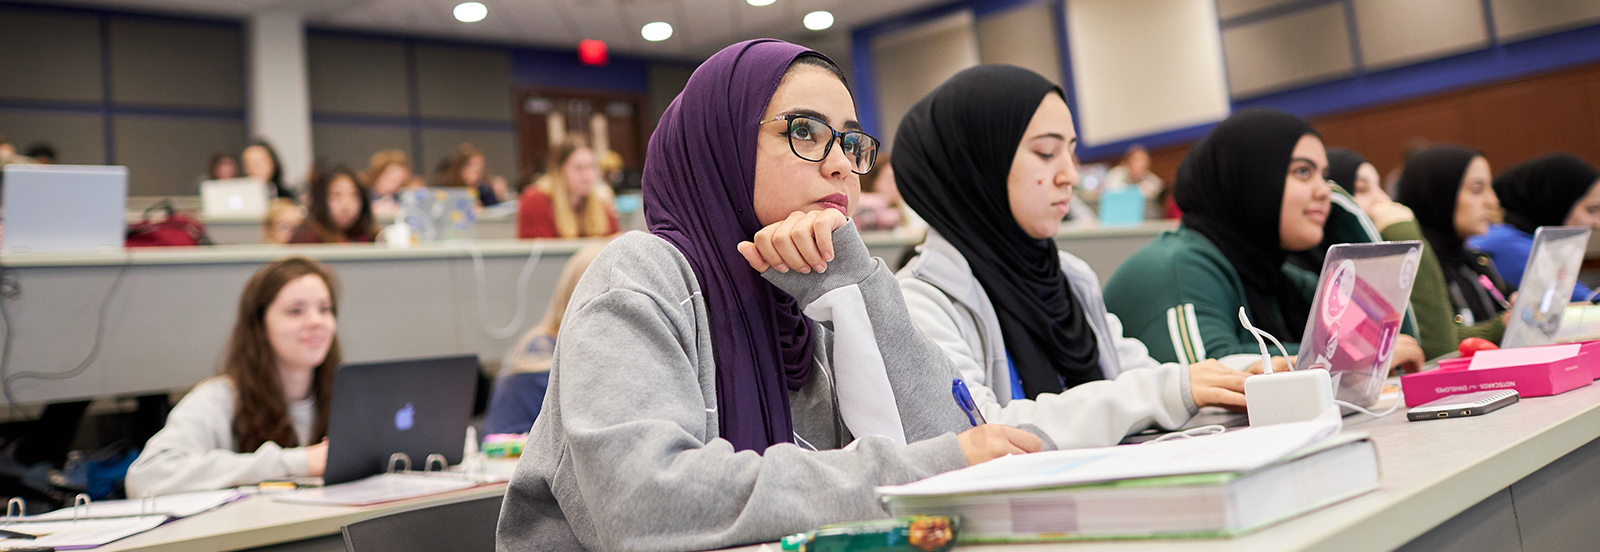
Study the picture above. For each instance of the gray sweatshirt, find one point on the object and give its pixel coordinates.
(626, 456)
(194, 451)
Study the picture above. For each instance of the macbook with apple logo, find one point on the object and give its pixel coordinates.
(417, 407)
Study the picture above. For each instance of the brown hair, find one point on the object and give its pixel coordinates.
(464, 154)
(596, 215)
(320, 219)
(261, 414)
(381, 161)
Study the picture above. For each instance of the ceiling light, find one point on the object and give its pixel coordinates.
(818, 20)
(656, 32)
(761, 2)
(471, 12)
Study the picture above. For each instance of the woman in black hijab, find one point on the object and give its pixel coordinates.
(1252, 191)
(1448, 189)
(1552, 190)
(987, 159)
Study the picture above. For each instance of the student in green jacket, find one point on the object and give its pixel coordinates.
(1182, 293)
(1449, 189)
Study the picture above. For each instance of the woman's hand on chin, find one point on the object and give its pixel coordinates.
(803, 242)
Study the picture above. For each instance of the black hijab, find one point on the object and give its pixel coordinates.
(1541, 192)
(1430, 185)
(1342, 167)
(952, 157)
(1230, 188)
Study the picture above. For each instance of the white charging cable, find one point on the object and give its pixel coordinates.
(1266, 366)
(1190, 433)
(522, 291)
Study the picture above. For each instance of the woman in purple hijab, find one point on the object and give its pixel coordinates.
(711, 372)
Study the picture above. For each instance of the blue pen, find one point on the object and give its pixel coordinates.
(964, 400)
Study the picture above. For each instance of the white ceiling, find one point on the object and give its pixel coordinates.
(700, 27)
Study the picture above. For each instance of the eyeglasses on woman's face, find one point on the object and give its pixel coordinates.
(806, 135)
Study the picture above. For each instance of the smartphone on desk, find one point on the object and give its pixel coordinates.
(1469, 404)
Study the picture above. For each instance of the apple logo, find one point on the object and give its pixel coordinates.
(405, 417)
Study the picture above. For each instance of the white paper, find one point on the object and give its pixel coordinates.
(78, 534)
(1235, 451)
(177, 506)
(377, 489)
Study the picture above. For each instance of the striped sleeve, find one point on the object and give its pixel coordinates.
(1184, 331)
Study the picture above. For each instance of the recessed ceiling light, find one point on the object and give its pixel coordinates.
(761, 2)
(818, 20)
(471, 12)
(656, 32)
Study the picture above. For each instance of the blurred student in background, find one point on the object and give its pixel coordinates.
(1448, 188)
(261, 163)
(467, 168)
(569, 201)
(283, 218)
(339, 211)
(42, 153)
(265, 416)
(1552, 190)
(388, 172)
(524, 376)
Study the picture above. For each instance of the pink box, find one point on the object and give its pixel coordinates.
(1532, 371)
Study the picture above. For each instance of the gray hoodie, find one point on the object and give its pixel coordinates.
(625, 454)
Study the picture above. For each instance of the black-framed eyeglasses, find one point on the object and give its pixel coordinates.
(805, 133)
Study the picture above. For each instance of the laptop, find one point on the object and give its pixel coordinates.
(63, 208)
(439, 213)
(1356, 316)
(1547, 285)
(417, 407)
(234, 199)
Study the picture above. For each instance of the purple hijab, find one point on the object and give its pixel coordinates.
(699, 189)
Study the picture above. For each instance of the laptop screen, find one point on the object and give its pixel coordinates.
(1356, 315)
(1547, 285)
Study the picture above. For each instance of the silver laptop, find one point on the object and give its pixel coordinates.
(63, 208)
(1356, 316)
(1547, 285)
(234, 199)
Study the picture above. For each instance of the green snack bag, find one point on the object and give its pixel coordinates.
(901, 534)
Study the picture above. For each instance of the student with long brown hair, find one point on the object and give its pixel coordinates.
(266, 415)
(569, 201)
(339, 211)
(467, 168)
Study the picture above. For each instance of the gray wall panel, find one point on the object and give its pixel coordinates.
(1232, 8)
(464, 83)
(79, 138)
(167, 156)
(1025, 37)
(499, 149)
(176, 64)
(357, 76)
(1398, 32)
(1490, 526)
(353, 146)
(666, 82)
(1519, 19)
(1308, 46)
(49, 56)
(1557, 506)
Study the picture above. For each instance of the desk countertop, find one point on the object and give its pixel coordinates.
(260, 521)
(1432, 471)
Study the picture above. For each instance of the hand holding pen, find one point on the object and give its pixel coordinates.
(987, 441)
